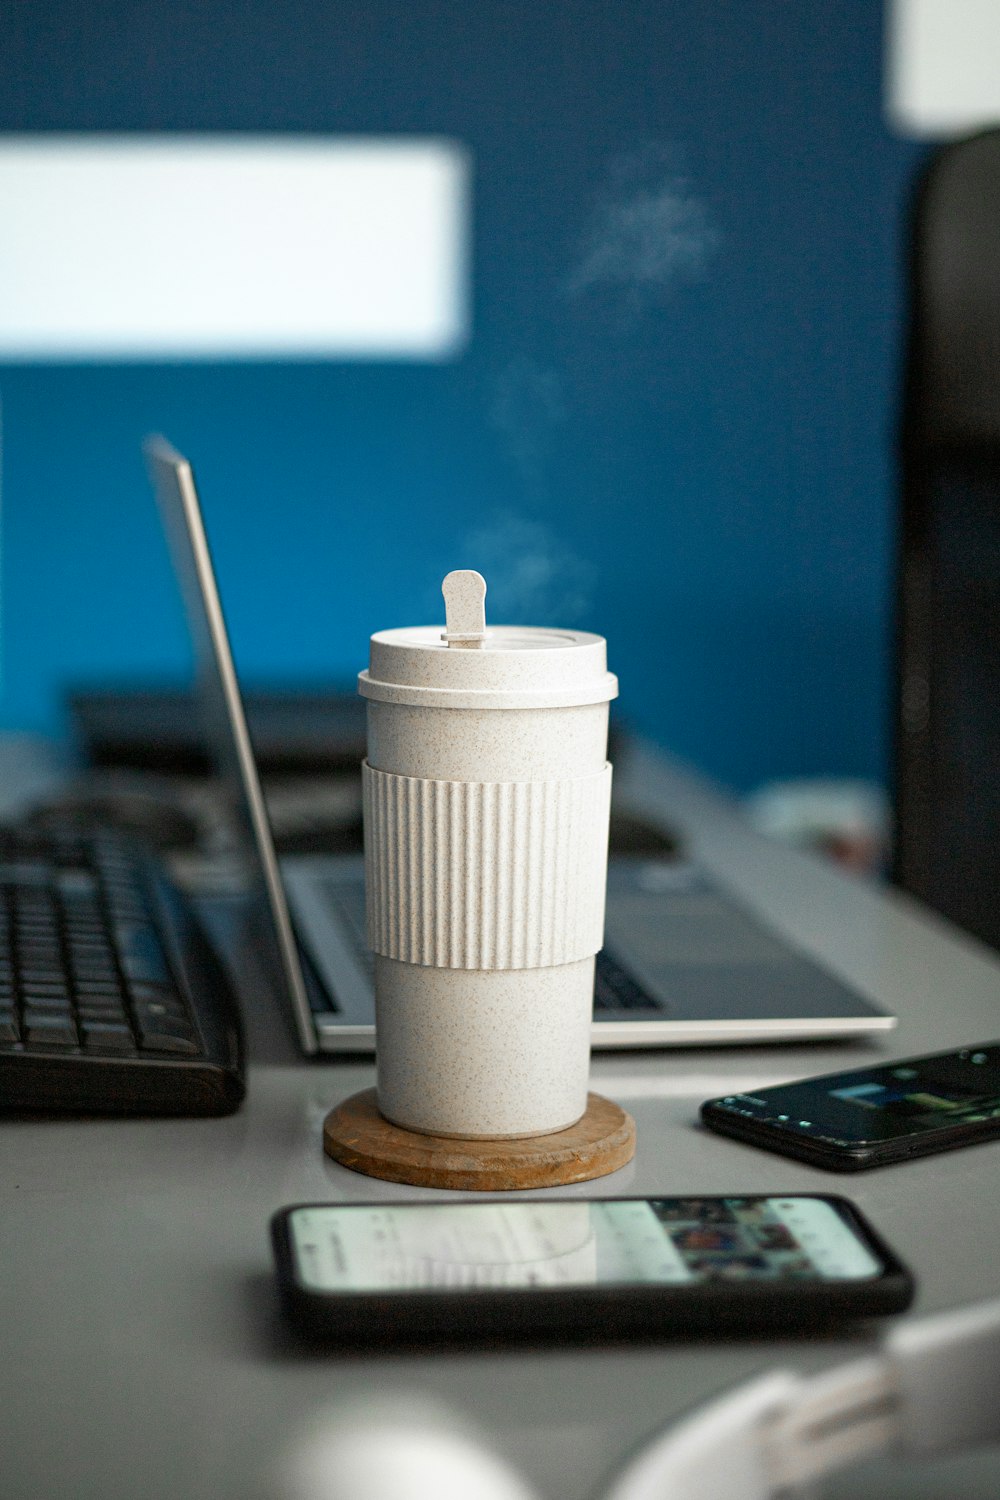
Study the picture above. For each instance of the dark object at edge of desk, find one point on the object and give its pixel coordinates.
(630, 833)
(136, 732)
(139, 804)
(158, 729)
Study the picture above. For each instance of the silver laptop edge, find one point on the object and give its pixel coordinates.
(218, 684)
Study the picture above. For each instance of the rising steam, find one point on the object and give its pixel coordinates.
(533, 578)
(647, 234)
(526, 404)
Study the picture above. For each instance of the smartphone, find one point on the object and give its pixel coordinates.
(872, 1116)
(608, 1269)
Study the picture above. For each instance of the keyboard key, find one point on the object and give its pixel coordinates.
(48, 1030)
(104, 980)
(38, 951)
(36, 975)
(74, 883)
(24, 873)
(154, 1016)
(118, 1021)
(85, 950)
(142, 955)
(101, 1010)
(104, 999)
(84, 953)
(106, 1036)
(84, 914)
(156, 994)
(31, 1000)
(160, 1039)
(27, 934)
(168, 1009)
(98, 989)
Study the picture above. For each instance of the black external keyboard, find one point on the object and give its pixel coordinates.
(111, 999)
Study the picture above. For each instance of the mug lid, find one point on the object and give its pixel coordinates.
(468, 665)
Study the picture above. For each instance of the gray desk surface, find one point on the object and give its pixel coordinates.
(143, 1353)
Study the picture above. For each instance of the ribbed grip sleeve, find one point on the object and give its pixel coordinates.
(485, 875)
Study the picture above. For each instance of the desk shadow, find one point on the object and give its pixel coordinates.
(274, 1336)
(269, 1332)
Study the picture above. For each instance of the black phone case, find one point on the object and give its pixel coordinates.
(832, 1158)
(608, 1314)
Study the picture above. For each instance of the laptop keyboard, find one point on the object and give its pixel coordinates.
(614, 988)
(348, 900)
(110, 999)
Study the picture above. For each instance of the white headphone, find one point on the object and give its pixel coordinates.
(931, 1387)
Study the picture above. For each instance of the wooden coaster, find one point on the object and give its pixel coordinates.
(357, 1136)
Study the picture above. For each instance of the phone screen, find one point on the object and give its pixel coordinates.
(875, 1106)
(659, 1241)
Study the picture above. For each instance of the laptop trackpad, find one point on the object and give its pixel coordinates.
(704, 955)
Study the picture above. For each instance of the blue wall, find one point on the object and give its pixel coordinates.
(673, 422)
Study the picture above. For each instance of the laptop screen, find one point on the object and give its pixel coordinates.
(225, 722)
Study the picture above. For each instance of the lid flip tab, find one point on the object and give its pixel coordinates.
(464, 593)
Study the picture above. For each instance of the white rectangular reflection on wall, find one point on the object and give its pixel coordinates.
(239, 247)
(942, 66)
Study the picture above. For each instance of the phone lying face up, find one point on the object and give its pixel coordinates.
(872, 1116)
(611, 1269)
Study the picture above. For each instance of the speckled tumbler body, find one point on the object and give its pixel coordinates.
(486, 822)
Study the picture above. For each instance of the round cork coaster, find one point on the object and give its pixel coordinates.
(357, 1136)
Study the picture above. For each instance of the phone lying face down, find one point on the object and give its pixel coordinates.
(610, 1269)
(872, 1116)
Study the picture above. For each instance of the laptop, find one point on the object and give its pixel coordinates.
(683, 964)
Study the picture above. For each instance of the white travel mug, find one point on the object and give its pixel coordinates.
(486, 802)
